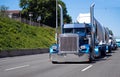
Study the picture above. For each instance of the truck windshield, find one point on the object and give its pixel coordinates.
(79, 30)
(88, 31)
(74, 30)
(68, 30)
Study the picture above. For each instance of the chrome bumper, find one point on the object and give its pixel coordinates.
(69, 57)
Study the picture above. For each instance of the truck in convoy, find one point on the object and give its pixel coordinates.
(100, 39)
(76, 43)
(118, 42)
(107, 40)
(100, 36)
(113, 42)
(110, 40)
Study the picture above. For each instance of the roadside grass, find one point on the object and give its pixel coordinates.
(16, 35)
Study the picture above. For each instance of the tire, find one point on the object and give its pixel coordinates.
(103, 51)
(91, 56)
(109, 49)
(100, 54)
(54, 62)
(90, 60)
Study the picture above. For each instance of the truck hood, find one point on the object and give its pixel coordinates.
(81, 34)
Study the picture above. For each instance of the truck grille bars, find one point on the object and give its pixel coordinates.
(69, 43)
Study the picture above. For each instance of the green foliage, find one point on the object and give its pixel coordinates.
(44, 8)
(110, 31)
(3, 10)
(16, 35)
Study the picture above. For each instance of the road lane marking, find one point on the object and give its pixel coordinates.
(86, 68)
(2, 61)
(13, 68)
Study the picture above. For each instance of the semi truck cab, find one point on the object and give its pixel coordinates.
(75, 40)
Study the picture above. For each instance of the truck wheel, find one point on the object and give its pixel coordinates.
(91, 57)
(103, 51)
(90, 60)
(99, 54)
(109, 49)
(54, 62)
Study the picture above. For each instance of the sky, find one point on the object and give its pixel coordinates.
(107, 12)
(12, 4)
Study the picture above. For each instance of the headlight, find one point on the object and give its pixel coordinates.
(83, 47)
(85, 38)
(54, 47)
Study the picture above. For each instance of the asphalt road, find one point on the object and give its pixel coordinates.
(40, 66)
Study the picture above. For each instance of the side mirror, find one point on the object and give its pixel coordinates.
(89, 39)
(96, 42)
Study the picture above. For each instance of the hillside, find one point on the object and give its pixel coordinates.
(16, 35)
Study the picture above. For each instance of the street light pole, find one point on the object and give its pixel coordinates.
(30, 15)
(39, 19)
(30, 20)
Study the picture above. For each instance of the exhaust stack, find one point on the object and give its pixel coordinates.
(92, 13)
(92, 23)
(61, 17)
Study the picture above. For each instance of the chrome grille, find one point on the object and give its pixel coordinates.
(68, 43)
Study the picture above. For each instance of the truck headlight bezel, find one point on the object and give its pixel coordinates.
(54, 47)
(83, 47)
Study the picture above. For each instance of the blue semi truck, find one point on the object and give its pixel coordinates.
(77, 42)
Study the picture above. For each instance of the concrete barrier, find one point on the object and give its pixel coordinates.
(21, 52)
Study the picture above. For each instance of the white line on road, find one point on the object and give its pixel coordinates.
(3, 60)
(16, 67)
(87, 68)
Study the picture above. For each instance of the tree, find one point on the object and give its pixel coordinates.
(3, 10)
(110, 31)
(44, 8)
